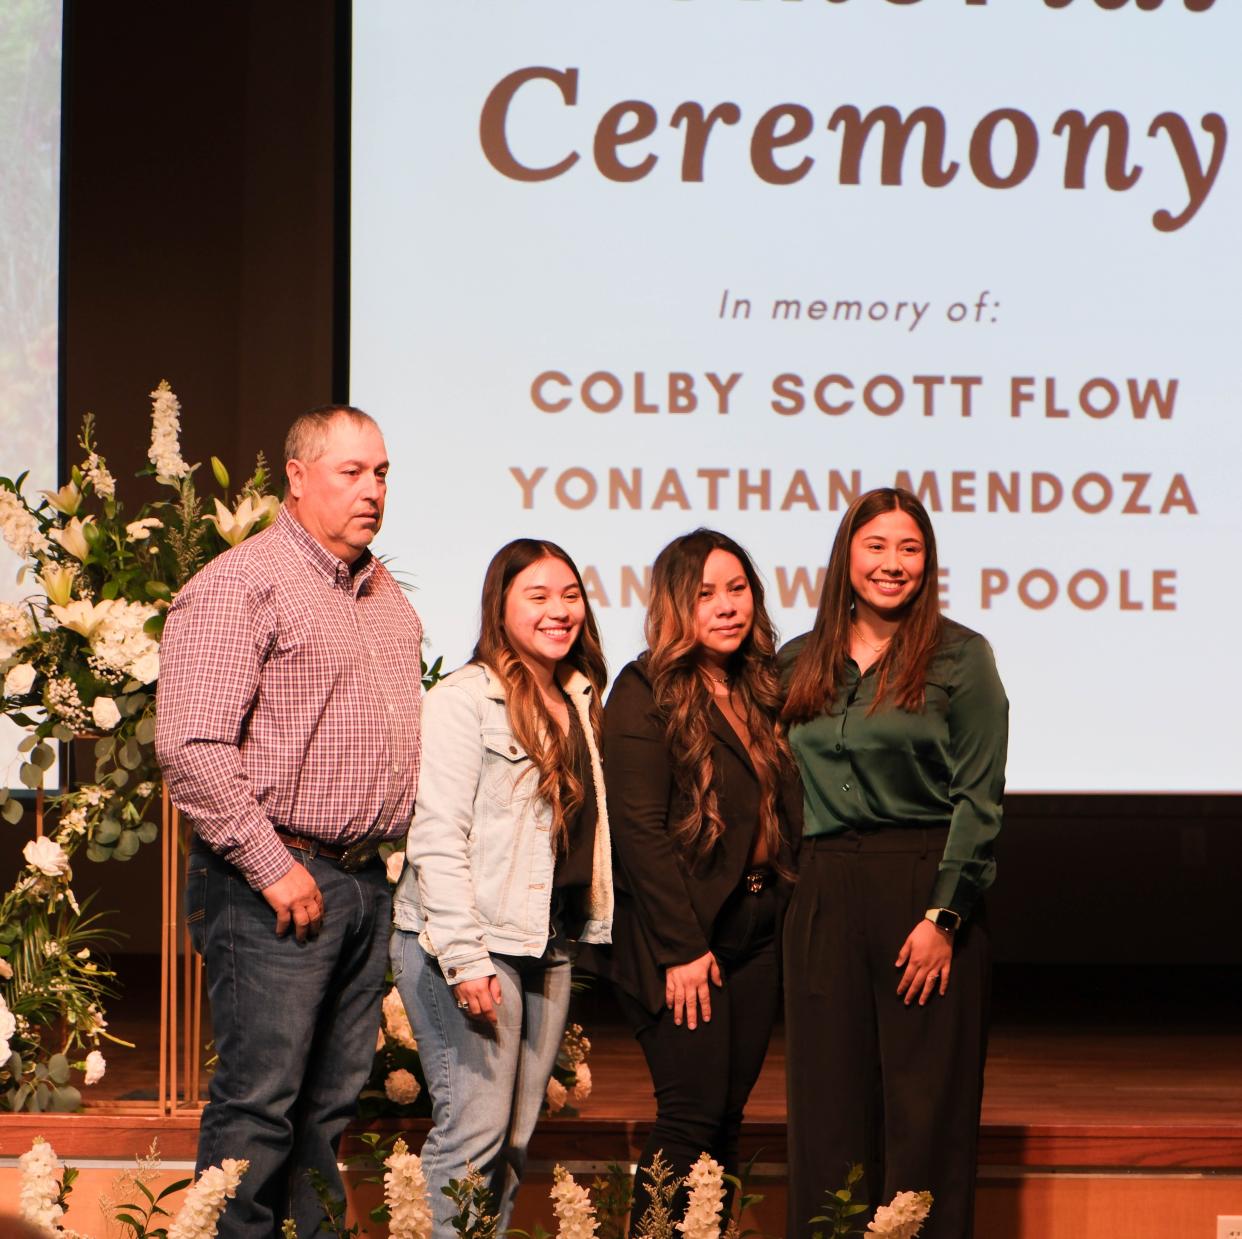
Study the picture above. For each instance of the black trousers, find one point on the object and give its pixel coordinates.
(703, 1077)
(871, 1080)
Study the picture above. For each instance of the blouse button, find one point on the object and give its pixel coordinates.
(513, 748)
(838, 748)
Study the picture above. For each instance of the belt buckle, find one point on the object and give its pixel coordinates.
(755, 881)
(357, 855)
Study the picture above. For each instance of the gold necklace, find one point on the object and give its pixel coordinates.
(875, 649)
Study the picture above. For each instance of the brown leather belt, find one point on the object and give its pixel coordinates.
(351, 858)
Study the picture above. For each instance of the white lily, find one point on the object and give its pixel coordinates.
(66, 500)
(235, 527)
(57, 583)
(73, 537)
(82, 617)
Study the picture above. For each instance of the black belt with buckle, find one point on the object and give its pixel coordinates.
(350, 859)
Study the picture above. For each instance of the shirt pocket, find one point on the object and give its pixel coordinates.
(507, 768)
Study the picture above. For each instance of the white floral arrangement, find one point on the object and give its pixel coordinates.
(79, 656)
(571, 1077)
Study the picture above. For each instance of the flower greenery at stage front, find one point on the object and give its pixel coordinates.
(79, 656)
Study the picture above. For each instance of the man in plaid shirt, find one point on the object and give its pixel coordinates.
(288, 732)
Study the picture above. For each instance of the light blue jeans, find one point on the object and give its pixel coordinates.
(486, 1081)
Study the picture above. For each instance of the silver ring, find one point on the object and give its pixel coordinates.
(463, 1006)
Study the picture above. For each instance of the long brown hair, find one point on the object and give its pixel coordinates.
(679, 690)
(901, 671)
(549, 748)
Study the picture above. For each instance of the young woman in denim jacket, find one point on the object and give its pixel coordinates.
(509, 864)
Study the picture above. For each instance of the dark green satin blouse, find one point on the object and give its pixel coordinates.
(941, 766)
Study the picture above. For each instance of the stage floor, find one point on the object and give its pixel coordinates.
(1087, 1069)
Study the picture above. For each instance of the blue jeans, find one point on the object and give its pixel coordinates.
(486, 1082)
(295, 1025)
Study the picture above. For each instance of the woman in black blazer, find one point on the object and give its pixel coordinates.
(703, 800)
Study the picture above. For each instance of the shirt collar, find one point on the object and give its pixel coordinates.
(570, 679)
(331, 567)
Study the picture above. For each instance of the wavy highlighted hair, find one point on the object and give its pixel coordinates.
(683, 697)
(550, 748)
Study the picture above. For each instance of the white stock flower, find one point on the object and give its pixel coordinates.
(40, 1187)
(706, 1199)
(8, 1021)
(401, 1087)
(19, 527)
(394, 864)
(96, 473)
(140, 531)
(405, 1194)
(397, 1020)
(582, 1082)
(105, 713)
(204, 1201)
(556, 1095)
(571, 1202)
(47, 856)
(72, 537)
(96, 1065)
(20, 680)
(903, 1218)
(165, 450)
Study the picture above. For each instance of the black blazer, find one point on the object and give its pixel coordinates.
(665, 910)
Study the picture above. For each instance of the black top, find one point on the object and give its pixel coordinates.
(665, 908)
(573, 866)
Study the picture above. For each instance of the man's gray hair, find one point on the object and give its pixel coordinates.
(308, 436)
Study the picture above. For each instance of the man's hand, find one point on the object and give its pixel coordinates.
(296, 900)
(479, 998)
(927, 957)
(686, 990)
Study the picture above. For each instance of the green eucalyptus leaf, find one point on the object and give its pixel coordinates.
(11, 811)
(62, 732)
(127, 845)
(108, 831)
(119, 777)
(130, 755)
(148, 832)
(42, 1096)
(103, 747)
(41, 1071)
(66, 1100)
(44, 756)
(157, 589)
(58, 1069)
(31, 776)
(27, 744)
(154, 627)
(139, 699)
(15, 1066)
(144, 730)
(24, 1093)
(97, 853)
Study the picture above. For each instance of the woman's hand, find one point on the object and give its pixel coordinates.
(480, 998)
(927, 957)
(686, 989)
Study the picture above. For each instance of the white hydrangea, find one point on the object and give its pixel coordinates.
(582, 1082)
(571, 1202)
(40, 1187)
(903, 1218)
(19, 527)
(706, 1200)
(8, 1021)
(165, 450)
(119, 641)
(402, 1087)
(16, 628)
(405, 1193)
(96, 1066)
(556, 1095)
(397, 1020)
(205, 1200)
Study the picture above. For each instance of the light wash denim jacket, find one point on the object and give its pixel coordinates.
(480, 862)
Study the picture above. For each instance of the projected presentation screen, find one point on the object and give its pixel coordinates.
(620, 269)
(30, 60)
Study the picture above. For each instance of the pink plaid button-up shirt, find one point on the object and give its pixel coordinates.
(289, 696)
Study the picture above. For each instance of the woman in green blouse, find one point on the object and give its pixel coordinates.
(898, 721)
